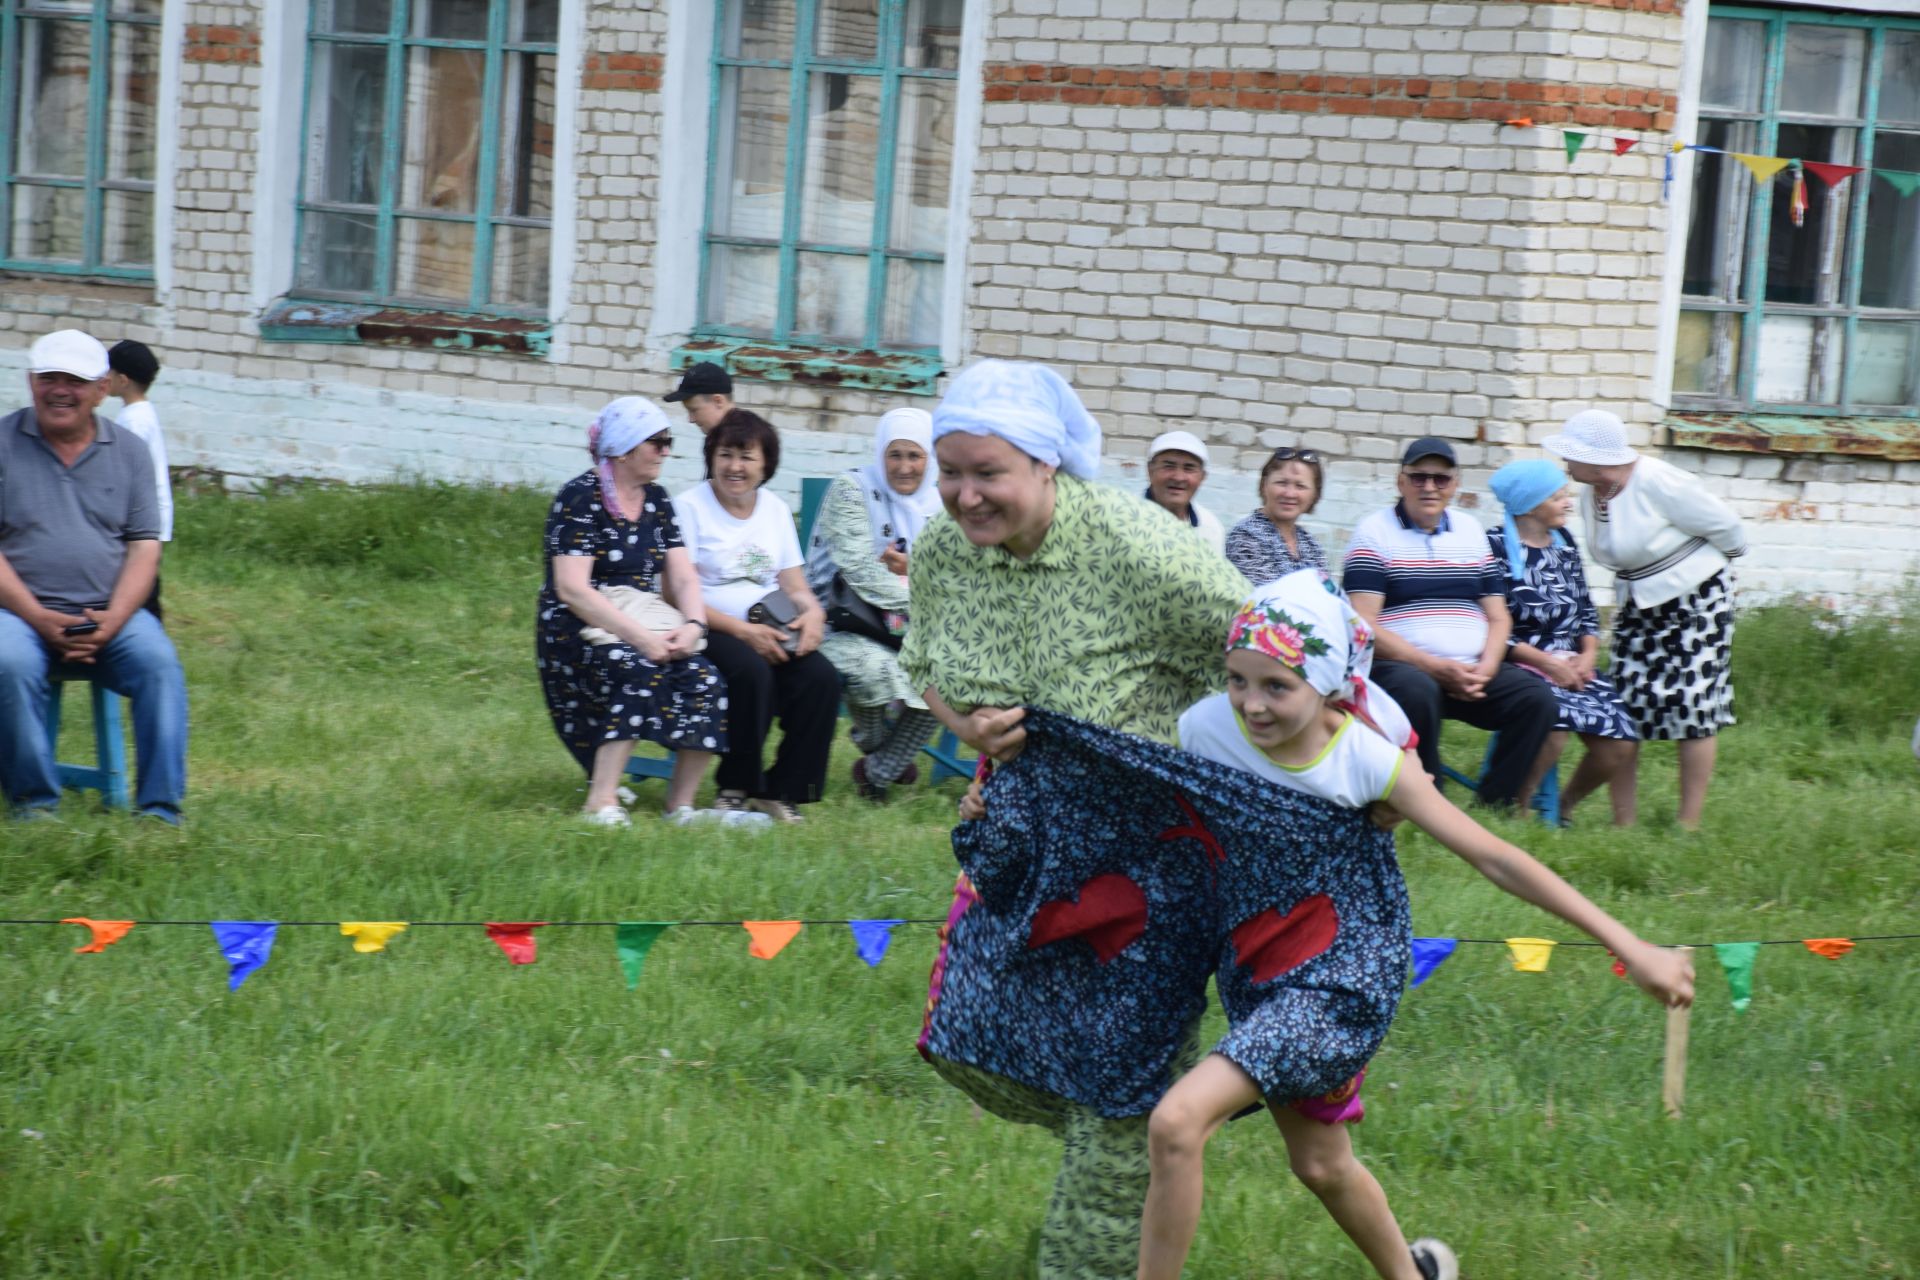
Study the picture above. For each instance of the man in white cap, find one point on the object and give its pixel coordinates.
(1176, 468)
(79, 548)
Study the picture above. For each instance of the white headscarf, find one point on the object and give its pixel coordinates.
(1304, 621)
(890, 513)
(614, 433)
(1030, 407)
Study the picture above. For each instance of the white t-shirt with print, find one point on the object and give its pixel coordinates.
(1357, 767)
(739, 561)
(145, 423)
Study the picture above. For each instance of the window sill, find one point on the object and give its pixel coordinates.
(290, 320)
(1895, 439)
(907, 372)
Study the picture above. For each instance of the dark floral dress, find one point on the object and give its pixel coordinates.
(1552, 609)
(598, 693)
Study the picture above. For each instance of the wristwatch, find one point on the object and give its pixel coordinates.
(705, 631)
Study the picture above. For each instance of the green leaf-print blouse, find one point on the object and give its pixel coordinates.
(1119, 618)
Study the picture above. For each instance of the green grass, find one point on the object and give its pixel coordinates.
(369, 743)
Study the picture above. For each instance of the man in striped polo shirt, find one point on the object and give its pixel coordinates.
(1422, 572)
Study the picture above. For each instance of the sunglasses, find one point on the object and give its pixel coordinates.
(663, 442)
(1429, 479)
(1294, 455)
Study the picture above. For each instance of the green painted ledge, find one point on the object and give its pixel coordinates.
(907, 372)
(1895, 439)
(289, 320)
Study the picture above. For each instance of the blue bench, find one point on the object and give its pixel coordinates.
(108, 773)
(1546, 800)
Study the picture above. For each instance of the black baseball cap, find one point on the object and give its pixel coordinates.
(1429, 447)
(134, 359)
(703, 379)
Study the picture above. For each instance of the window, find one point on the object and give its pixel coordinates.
(1823, 317)
(81, 92)
(427, 176)
(832, 137)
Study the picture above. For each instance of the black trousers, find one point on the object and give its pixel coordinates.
(1518, 706)
(804, 693)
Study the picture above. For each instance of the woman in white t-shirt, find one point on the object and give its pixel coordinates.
(743, 544)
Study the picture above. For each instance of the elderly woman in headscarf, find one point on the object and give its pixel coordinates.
(1556, 635)
(862, 543)
(1050, 590)
(615, 676)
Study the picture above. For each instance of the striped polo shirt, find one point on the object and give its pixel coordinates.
(1430, 583)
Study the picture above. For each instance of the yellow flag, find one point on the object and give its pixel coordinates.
(1530, 955)
(371, 935)
(1762, 167)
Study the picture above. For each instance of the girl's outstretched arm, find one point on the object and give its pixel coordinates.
(1665, 975)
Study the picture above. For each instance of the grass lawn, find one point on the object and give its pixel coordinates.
(369, 743)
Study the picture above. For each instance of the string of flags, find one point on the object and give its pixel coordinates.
(247, 945)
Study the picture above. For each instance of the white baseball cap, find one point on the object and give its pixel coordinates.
(1184, 441)
(69, 351)
(1593, 436)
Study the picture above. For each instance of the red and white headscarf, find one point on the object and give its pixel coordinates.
(1306, 623)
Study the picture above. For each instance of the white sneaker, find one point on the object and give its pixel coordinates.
(611, 816)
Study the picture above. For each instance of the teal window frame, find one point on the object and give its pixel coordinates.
(96, 184)
(888, 66)
(1754, 306)
(397, 41)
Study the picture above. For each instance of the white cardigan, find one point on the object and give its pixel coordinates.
(1663, 534)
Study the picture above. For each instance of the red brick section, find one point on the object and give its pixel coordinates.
(1544, 102)
(223, 44)
(630, 71)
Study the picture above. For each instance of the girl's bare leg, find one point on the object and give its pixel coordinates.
(1322, 1158)
(1197, 1105)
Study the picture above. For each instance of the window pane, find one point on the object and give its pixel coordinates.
(433, 261)
(520, 258)
(1717, 221)
(1825, 71)
(144, 8)
(743, 287)
(750, 189)
(1799, 360)
(1807, 264)
(535, 22)
(830, 298)
(126, 232)
(346, 123)
(337, 252)
(1886, 363)
(132, 95)
(445, 93)
(912, 313)
(922, 166)
(524, 185)
(52, 104)
(760, 29)
(353, 17)
(933, 34)
(843, 144)
(1706, 354)
(451, 19)
(49, 224)
(847, 30)
(1890, 275)
(1736, 61)
(1900, 79)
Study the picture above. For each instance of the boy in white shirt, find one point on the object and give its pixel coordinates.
(132, 367)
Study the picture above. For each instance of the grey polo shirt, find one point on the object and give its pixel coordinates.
(64, 530)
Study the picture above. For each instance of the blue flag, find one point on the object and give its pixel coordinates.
(1429, 954)
(246, 944)
(871, 938)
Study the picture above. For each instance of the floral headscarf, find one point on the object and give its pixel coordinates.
(1306, 623)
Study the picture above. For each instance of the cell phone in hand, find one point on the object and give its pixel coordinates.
(86, 628)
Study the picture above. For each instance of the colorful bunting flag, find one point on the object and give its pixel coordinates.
(1737, 959)
(1429, 954)
(516, 940)
(1574, 140)
(1762, 168)
(770, 937)
(370, 936)
(1831, 174)
(633, 939)
(871, 938)
(1623, 145)
(105, 933)
(246, 944)
(1520, 122)
(1530, 955)
(1903, 182)
(1831, 948)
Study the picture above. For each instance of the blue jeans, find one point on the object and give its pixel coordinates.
(140, 665)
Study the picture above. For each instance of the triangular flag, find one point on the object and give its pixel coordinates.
(1623, 145)
(370, 936)
(516, 940)
(246, 944)
(1520, 122)
(1530, 955)
(1762, 167)
(1428, 955)
(1831, 948)
(1574, 140)
(769, 936)
(1905, 183)
(633, 940)
(1737, 959)
(105, 933)
(871, 938)
(1831, 174)
(1619, 965)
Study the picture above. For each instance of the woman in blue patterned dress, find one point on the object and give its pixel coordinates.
(1556, 635)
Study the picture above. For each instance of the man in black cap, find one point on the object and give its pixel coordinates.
(707, 390)
(1421, 571)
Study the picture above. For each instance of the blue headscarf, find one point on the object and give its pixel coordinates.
(1030, 407)
(1522, 486)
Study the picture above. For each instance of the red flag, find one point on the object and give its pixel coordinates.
(1623, 145)
(105, 933)
(1831, 948)
(516, 940)
(1831, 174)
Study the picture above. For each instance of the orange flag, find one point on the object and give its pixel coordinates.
(1831, 948)
(105, 933)
(770, 936)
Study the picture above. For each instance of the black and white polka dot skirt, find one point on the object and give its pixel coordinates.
(1670, 662)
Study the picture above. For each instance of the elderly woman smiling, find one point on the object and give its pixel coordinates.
(1270, 544)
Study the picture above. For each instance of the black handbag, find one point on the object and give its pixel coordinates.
(774, 609)
(847, 611)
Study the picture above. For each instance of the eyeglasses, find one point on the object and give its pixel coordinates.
(1429, 479)
(1294, 455)
(663, 442)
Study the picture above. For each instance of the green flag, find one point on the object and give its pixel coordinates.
(1903, 182)
(634, 940)
(1737, 959)
(1574, 140)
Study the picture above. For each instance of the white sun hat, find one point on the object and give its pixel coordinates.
(1593, 436)
(68, 351)
(1181, 441)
